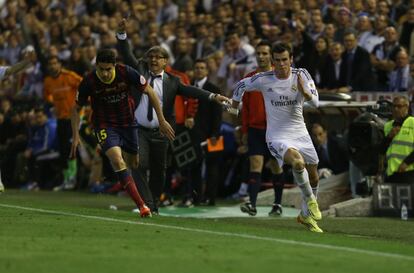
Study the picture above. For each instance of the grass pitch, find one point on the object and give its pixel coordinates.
(76, 232)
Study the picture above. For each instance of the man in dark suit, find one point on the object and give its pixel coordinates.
(332, 79)
(356, 65)
(152, 145)
(205, 125)
(330, 153)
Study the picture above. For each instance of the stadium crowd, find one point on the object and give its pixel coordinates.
(347, 46)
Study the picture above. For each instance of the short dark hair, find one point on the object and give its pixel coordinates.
(106, 55)
(264, 42)
(231, 31)
(53, 57)
(350, 32)
(200, 60)
(281, 47)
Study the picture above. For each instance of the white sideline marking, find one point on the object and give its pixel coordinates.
(236, 235)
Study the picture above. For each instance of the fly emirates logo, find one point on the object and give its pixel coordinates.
(283, 101)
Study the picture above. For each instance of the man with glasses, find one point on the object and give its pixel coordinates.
(153, 146)
(398, 145)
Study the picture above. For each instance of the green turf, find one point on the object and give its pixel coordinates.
(69, 241)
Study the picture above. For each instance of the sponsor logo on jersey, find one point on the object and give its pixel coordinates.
(269, 90)
(283, 103)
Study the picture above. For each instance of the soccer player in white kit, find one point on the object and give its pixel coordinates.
(284, 91)
(6, 71)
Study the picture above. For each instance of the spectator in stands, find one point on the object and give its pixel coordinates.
(28, 57)
(400, 76)
(15, 139)
(41, 148)
(5, 106)
(344, 24)
(237, 56)
(328, 147)
(332, 75)
(398, 143)
(201, 48)
(406, 31)
(371, 8)
(329, 32)
(319, 60)
(356, 65)
(397, 9)
(183, 61)
(383, 58)
(78, 62)
(317, 26)
(367, 38)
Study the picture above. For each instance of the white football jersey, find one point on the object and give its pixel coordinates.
(283, 101)
(3, 71)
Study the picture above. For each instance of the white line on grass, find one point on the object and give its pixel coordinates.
(229, 234)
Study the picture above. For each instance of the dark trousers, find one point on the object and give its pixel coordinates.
(213, 161)
(193, 186)
(64, 134)
(404, 177)
(44, 171)
(151, 172)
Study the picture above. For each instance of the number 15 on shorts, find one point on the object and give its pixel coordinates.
(101, 136)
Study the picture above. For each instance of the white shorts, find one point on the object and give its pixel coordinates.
(303, 144)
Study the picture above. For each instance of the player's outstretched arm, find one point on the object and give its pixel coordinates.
(124, 48)
(165, 127)
(220, 99)
(75, 121)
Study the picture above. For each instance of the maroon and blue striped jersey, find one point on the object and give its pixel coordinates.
(113, 104)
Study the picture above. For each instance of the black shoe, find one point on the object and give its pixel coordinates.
(276, 210)
(248, 208)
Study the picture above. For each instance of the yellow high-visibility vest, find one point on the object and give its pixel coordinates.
(401, 146)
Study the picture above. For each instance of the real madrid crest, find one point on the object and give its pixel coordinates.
(294, 88)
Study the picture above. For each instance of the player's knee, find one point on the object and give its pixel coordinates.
(118, 162)
(256, 163)
(298, 164)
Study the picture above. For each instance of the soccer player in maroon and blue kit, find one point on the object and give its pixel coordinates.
(109, 89)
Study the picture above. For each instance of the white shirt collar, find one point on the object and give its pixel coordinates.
(201, 82)
(161, 73)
